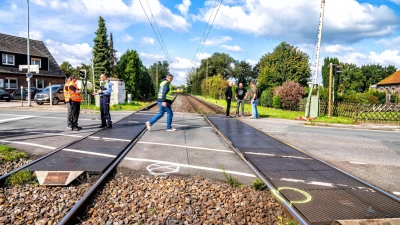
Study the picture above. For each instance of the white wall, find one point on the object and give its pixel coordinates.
(118, 93)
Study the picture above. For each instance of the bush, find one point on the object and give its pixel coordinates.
(267, 97)
(276, 102)
(290, 94)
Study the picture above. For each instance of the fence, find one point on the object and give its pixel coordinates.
(384, 113)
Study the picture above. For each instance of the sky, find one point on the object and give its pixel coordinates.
(185, 31)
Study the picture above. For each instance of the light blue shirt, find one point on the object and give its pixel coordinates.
(107, 87)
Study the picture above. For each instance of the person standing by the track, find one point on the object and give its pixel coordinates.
(105, 94)
(254, 100)
(228, 98)
(164, 102)
(240, 95)
(66, 99)
(75, 102)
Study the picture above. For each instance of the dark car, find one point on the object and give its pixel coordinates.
(5, 96)
(17, 93)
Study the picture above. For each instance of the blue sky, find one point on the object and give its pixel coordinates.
(360, 32)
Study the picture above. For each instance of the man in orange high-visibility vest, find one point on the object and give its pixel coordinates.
(75, 101)
(66, 97)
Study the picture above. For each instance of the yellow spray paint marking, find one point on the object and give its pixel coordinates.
(308, 196)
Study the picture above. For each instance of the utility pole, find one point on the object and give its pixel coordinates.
(330, 90)
(29, 61)
(207, 79)
(157, 78)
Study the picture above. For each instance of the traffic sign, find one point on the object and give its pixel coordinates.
(29, 75)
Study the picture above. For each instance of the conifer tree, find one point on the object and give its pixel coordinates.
(101, 52)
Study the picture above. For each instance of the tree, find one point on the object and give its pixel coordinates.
(67, 68)
(285, 63)
(158, 71)
(101, 51)
(291, 93)
(130, 69)
(325, 72)
(113, 59)
(243, 72)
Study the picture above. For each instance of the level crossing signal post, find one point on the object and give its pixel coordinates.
(82, 75)
(334, 70)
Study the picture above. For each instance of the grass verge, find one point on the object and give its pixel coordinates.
(134, 106)
(21, 178)
(9, 154)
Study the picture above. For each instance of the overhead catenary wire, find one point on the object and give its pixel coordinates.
(202, 42)
(161, 43)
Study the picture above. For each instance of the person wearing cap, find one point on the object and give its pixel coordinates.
(164, 102)
(75, 102)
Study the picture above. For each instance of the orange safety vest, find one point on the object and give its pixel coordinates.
(66, 92)
(73, 95)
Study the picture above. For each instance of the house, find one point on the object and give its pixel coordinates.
(13, 51)
(390, 85)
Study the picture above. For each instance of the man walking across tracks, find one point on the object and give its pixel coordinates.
(164, 102)
(228, 98)
(75, 102)
(105, 93)
(240, 95)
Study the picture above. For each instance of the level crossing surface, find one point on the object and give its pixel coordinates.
(320, 192)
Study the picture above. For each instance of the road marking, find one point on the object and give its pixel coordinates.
(89, 153)
(110, 139)
(360, 163)
(185, 146)
(68, 135)
(12, 119)
(27, 143)
(47, 117)
(257, 153)
(191, 166)
(396, 193)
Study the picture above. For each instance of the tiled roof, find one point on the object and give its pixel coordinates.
(392, 79)
(18, 45)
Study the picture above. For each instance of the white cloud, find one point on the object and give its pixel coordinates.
(33, 34)
(14, 6)
(127, 38)
(217, 40)
(151, 56)
(234, 48)
(393, 43)
(385, 58)
(184, 7)
(182, 63)
(252, 62)
(336, 49)
(148, 40)
(395, 1)
(38, 2)
(297, 20)
(201, 56)
(74, 54)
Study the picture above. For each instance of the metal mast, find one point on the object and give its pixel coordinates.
(321, 21)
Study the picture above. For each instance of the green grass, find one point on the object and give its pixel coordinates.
(258, 184)
(8, 153)
(21, 178)
(134, 106)
(278, 113)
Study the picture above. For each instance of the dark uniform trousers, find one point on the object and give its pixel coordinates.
(228, 106)
(105, 110)
(75, 110)
(69, 113)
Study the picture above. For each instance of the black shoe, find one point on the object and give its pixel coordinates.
(109, 126)
(102, 126)
(77, 128)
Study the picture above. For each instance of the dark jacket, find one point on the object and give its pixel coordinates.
(228, 92)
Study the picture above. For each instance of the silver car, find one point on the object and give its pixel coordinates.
(57, 91)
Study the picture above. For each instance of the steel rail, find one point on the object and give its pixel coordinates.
(294, 212)
(3, 177)
(71, 216)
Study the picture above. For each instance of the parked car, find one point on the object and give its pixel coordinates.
(57, 91)
(17, 93)
(5, 95)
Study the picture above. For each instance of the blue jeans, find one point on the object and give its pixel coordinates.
(254, 110)
(160, 114)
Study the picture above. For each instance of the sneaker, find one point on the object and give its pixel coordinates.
(69, 127)
(171, 129)
(109, 126)
(77, 128)
(148, 125)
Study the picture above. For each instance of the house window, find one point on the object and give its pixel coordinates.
(11, 83)
(39, 84)
(36, 61)
(7, 59)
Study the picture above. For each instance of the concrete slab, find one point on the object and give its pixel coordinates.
(194, 149)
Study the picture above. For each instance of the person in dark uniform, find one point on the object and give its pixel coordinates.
(164, 102)
(75, 102)
(105, 94)
(228, 98)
